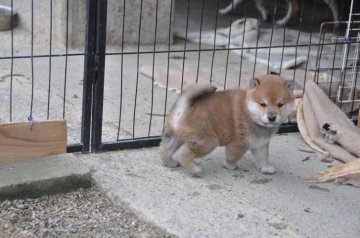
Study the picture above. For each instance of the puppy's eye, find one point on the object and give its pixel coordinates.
(280, 104)
(262, 104)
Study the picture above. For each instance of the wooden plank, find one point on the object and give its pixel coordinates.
(21, 141)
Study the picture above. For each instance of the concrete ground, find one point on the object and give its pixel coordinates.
(42, 176)
(239, 203)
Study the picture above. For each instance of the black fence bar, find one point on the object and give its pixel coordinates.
(122, 69)
(66, 57)
(50, 59)
(98, 77)
(89, 62)
(12, 61)
(288, 128)
(72, 148)
(136, 143)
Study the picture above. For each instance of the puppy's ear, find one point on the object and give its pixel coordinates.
(289, 84)
(254, 82)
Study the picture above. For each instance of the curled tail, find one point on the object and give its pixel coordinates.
(196, 91)
(189, 96)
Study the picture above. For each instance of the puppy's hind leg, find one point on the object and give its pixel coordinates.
(169, 145)
(190, 151)
(186, 157)
(234, 152)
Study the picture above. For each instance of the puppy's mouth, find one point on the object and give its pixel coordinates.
(269, 124)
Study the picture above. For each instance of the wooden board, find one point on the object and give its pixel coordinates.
(21, 141)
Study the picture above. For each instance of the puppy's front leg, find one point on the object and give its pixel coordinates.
(260, 7)
(291, 12)
(261, 156)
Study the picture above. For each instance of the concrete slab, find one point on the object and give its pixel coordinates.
(239, 203)
(47, 175)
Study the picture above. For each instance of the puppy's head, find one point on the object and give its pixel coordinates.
(270, 100)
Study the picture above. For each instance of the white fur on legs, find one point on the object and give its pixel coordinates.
(267, 169)
(228, 158)
(185, 157)
(224, 11)
(229, 165)
(172, 163)
(168, 147)
(281, 22)
(166, 159)
(196, 169)
(264, 14)
(261, 155)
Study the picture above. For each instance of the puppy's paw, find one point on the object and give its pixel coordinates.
(281, 22)
(168, 162)
(196, 170)
(223, 11)
(172, 163)
(268, 169)
(266, 18)
(229, 165)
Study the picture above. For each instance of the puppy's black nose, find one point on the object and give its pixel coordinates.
(271, 118)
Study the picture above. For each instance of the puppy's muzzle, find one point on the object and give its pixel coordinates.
(271, 118)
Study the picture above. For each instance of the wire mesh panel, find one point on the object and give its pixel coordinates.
(41, 72)
(155, 49)
(338, 63)
(349, 90)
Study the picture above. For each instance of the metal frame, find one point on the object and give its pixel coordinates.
(99, 16)
(88, 74)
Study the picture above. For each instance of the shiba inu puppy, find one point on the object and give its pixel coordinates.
(292, 9)
(238, 119)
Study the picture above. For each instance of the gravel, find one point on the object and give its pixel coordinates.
(83, 213)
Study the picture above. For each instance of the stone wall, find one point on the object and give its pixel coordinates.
(77, 18)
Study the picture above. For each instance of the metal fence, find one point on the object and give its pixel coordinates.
(112, 69)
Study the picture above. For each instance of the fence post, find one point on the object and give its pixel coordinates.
(94, 64)
(99, 70)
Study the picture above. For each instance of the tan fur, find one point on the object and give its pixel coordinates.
(202, 119)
